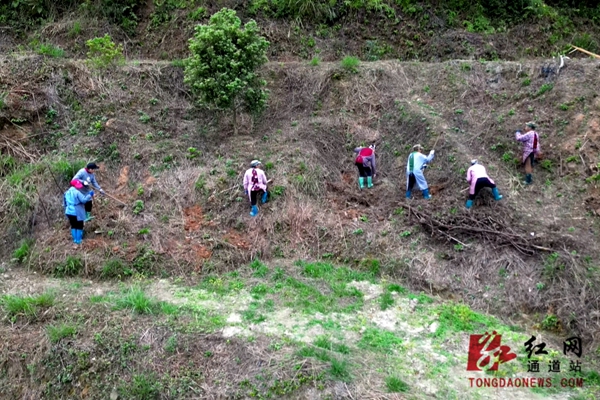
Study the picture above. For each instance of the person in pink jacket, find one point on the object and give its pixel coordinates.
(255, 184)
(531, 147)
(478, 178)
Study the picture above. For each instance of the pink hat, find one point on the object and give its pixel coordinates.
(76, 184)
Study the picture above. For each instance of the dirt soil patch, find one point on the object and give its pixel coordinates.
(194, 218)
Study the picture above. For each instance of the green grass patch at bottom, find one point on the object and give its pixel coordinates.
(379, 340)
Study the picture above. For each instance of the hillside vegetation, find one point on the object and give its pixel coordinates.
(331, 292)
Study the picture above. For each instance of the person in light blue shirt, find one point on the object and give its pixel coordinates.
(417, 162)
(88, 180)
(74, 204)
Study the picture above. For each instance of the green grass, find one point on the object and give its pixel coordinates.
(50, 51)
(315, 61)
(379, 340)
(350, 63)
(460, 318)
(325, 342)
(394, 384)
(142, 386)
(28, 306)
(340, 370)
(65, 168)
(22, 252)
(135, 299)
(546, 87)
(70, 267)
(386, 301)
(260, 269)
(58, 332)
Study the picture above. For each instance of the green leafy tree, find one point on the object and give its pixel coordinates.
(222, 70)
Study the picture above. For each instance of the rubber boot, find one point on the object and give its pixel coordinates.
(528, 179)
(88, 216)
(426, 194)
(361, 182)
(79, 235)
(254, 211)
(469, 204)
(264, 198)
(369, 181)
(74, 235)
(497, 196)
(408, 194)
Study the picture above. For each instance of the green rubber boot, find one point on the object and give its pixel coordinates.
(361, 182)
(88, 216)
(369, 181)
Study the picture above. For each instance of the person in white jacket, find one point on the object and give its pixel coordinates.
(417, 162)
(255, 184)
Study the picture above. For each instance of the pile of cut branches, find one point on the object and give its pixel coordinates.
(493, 230)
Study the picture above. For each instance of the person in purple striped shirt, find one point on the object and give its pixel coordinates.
(531, 147)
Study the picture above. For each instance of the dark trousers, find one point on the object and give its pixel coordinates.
(480, 184)
(529, 161)
(363, 171)
(411, 181)
(74, 223)
(88, 206)
(254, 196)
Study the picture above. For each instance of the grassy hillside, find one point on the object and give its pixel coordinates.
(331, 292)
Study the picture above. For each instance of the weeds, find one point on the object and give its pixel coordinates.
(350, 64)
(58, 332)
(135, 299)
(27, 306)
(70, 267)
(386, 301)
(395, 384)
(379, 340)
(50, 50)
(22, 252)
(340, 370)
(546, 87)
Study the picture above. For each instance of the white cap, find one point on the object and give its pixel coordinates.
(372, 146)
(473, 162)
(417, 147)
(254, 163)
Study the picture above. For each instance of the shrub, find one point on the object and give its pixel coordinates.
(222, 68)
(104, 52)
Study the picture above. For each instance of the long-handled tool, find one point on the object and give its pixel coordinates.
(115, 199)
(436, 141)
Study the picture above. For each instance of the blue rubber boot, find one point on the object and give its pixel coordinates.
(369, 181)
(361, 182)
(264, 198)
(426, 194)
(408, 194)
(74, 235)
(79, 236)
(254, 211)
(469, 204)
(528, 179)
(497, 196)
